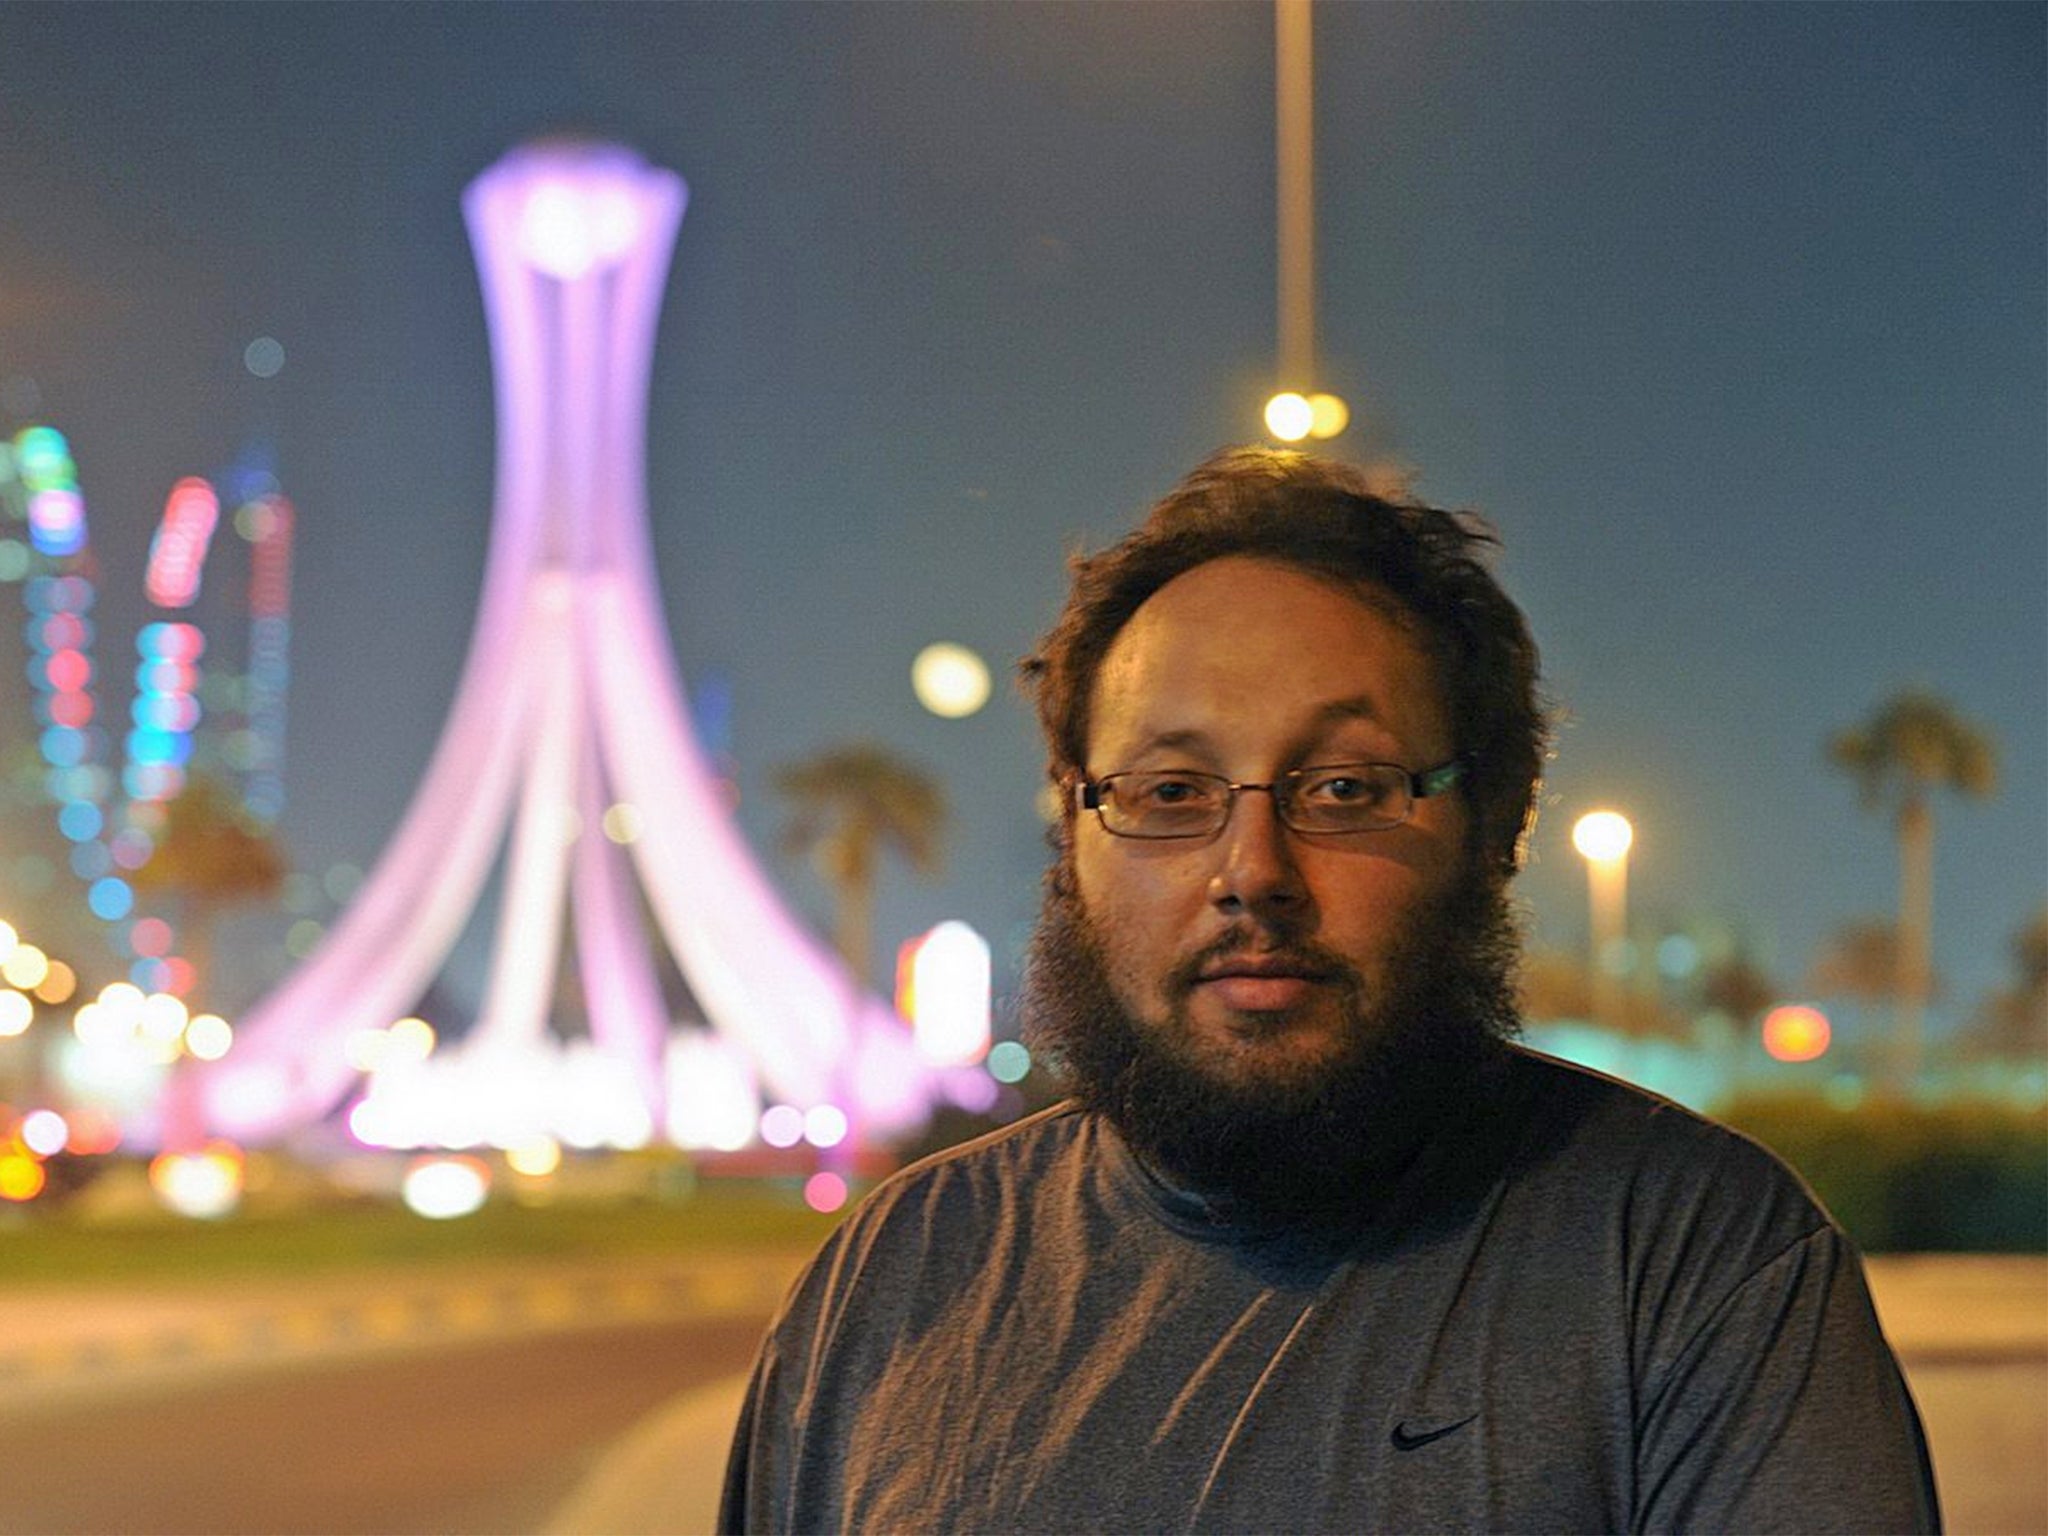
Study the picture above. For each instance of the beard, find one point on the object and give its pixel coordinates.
(1316, 1150)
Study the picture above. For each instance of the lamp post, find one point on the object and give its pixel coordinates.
(1293, 414)
(1603, 839)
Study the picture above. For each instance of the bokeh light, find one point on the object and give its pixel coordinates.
(340, 881)
(1289, 416)
(21, 1177)
(131, 847)
(123, 1000)
(1009, 1061)
(410, 1039)
(825, 1125)
(442, 1188)
(1602, 836)
(264, 357)
(25, 966)
(94, 1132)
(111, 898)
(1796, 1032)
(150, 936)
(782, 1125)
(95, 1025)
(44, 1132)
(209, 1037)
(536, 1159)
(163, 1017)
(824, 1192)
(949, 680)
(204, 1185)
(58, 983)
(1677, 956)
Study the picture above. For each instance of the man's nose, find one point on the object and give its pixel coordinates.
(1256, 873)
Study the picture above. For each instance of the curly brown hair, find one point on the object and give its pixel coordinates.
(1323, 517)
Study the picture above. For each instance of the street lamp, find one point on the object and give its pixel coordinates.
(1603, 839)
(1292, 414)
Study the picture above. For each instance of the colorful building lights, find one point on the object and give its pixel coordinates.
(165, 712)
(72, 744)
(56, 509)
(108, 817)
(267, 524)
(178, 551)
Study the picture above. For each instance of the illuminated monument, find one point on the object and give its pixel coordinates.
(569, 737)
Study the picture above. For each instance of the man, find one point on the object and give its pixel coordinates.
(1314, 1246)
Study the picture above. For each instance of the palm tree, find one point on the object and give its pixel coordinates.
(212, 855)
(1859, 963)
(853, 803)
(1913, 746)
(2012, 1023)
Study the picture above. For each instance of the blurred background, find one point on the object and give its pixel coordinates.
(1729, 319)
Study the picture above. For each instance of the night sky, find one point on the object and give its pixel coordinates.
(1730, 318)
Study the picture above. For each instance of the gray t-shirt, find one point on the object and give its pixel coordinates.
(1588, 1309)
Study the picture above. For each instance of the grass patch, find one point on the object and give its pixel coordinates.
(72, 1247)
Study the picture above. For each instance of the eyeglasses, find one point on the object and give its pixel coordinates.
(1336, 798)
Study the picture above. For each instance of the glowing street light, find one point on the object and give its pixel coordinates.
(1289, 416)
(1603, 839)
(949, 680)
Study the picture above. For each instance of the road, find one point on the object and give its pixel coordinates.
(482, 1404)
(1987, 1426)
(484, 1437)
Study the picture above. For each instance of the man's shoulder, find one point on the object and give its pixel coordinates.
(925, 1227)
(1026, 1155)
(1566, 1106)
(1593, 1131)
(1049, 1134)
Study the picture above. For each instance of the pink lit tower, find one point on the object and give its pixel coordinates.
(570, 719)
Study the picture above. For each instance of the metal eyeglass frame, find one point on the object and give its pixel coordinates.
(1420, 786)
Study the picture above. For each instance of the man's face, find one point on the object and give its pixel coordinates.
(1256, 957)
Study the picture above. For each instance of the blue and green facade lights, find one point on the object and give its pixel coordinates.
(165, 712)
(56, 510)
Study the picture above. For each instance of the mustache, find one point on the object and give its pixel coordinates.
(1243, 942)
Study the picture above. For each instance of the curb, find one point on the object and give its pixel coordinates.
(97, 1346)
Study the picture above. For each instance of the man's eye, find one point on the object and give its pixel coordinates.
(1166, 792)
(1344, 789)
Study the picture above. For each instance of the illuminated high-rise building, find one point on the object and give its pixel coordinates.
(569, 737)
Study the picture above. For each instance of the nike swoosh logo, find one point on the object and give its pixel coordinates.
(1409, 1439)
